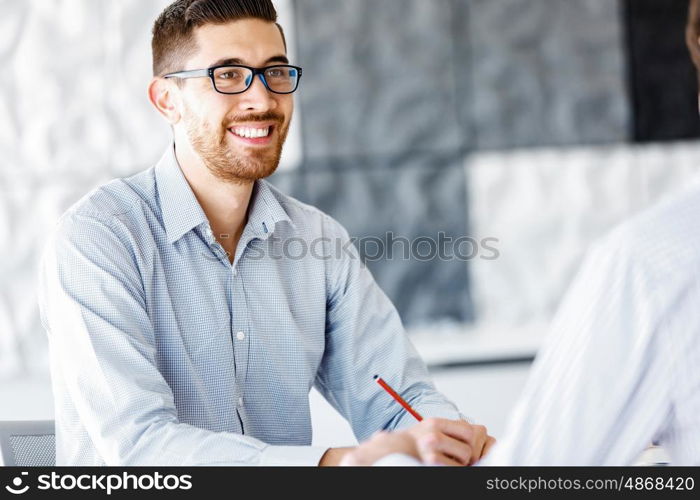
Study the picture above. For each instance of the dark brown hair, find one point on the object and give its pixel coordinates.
(173, 32)
(692, 33)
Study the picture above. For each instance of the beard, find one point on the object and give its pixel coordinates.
(227, 164)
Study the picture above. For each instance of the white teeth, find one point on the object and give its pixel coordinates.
(251, 133)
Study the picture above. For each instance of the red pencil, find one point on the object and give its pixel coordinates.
(398, 398)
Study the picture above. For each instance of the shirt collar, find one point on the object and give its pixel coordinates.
(265, 210)
(182, 212)
(179, 207)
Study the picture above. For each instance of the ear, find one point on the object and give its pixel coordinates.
(692, 31)
(165, 97)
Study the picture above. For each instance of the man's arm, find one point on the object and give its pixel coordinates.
(364, 337)
(103, 355)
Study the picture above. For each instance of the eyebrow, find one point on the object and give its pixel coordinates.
(234, 60)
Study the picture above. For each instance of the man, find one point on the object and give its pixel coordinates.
(179, 333)
(621, 365)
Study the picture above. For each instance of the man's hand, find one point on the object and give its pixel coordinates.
(434, 441)
(450, 442)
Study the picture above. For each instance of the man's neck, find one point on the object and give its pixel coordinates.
(224, 203)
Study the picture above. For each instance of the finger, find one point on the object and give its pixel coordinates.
(487, 447)
(458, 450)
(436, 442)
(478, 442)
(458, 429)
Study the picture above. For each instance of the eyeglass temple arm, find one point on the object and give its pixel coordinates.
(195, 73)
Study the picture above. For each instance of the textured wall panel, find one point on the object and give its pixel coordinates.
(663, 79)
(545, 72)
(27, 213)
(291, 182)
(411, 196)
(547, 206)
(379, 77)
(76, 88)
(73, 114)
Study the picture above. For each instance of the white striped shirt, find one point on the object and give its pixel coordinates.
(621, 364)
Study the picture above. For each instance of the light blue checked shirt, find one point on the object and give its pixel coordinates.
(164, 353)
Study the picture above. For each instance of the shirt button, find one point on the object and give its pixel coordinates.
(240, 401)
(240, 335)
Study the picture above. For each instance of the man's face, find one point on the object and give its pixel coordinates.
(216, 124)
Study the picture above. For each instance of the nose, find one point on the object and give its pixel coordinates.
(257, 97)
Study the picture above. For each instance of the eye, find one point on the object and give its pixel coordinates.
(277, 73)
(229, 75)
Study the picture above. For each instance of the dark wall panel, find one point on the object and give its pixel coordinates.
(663, 81)
(544, 72)
(412, 196)
(378, 77)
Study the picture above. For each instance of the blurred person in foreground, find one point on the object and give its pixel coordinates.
(620, 367)
(179, 332)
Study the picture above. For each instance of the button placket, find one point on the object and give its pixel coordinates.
(214, 246)
(240, 334)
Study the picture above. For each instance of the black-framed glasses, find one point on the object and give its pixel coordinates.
(236, 79)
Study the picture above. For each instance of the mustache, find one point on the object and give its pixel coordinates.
(269, 116)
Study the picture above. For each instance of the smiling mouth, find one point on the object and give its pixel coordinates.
(252, 132)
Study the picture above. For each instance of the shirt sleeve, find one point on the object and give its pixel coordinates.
(598, 392)
(365, 337)
(104, 357)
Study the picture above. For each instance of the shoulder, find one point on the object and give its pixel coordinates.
(116, 197)
(664, 239)
(120, 203)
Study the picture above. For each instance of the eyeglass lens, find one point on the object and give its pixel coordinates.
(233, 79)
